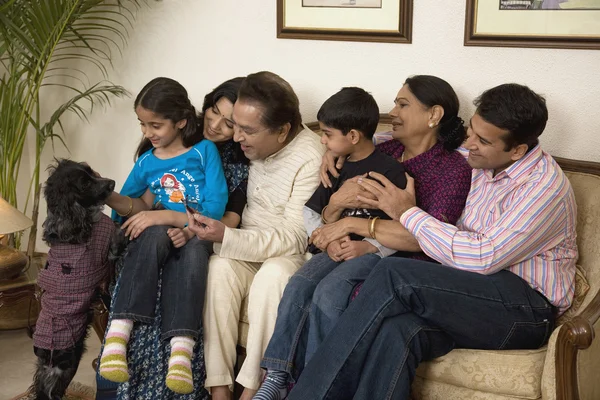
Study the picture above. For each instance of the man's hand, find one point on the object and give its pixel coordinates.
(329, 163)
(388, 197)
(334, 250)
(355, 248)
(179, 236)
(135, 225)
(206, 228)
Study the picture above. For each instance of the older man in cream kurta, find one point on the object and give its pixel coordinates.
(258, 259)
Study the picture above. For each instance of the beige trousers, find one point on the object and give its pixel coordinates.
(229, 283)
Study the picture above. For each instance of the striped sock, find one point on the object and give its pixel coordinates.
(113, 362)
(274, 387)
(179, 377)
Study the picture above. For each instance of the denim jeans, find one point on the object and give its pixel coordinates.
(409, 311)
(183, 282)
(287, 347)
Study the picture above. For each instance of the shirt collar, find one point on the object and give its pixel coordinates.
(520, 167)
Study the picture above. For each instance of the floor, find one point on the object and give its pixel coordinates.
(17, 362)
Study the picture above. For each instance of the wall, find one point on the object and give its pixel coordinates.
(202, 43)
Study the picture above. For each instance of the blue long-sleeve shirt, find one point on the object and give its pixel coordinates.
(196, 175)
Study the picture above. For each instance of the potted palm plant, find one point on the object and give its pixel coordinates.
(43, 44)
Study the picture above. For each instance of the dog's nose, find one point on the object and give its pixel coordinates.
(111, 185)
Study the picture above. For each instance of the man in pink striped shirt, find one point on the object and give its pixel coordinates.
(507, 267)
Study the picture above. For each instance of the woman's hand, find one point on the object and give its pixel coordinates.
(323, 236)
(355, 248)
(347, 195)
(329, 163)
(135, 225)
(206, 228)
(179, 236)
(388, 197)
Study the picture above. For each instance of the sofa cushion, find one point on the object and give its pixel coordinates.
(515, 373)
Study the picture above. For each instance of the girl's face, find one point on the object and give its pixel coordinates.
(410, 117)
(218, 126)
(162, 133)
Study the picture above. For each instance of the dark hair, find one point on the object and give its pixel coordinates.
(275, 97)
(228, 89)
(517, 109)
(350, 108)
(168, 98)
(433, 91)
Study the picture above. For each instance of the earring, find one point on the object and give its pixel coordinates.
(431, 124)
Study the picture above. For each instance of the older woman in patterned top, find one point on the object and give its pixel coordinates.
(426, 132)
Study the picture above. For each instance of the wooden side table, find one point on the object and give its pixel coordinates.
(20, 297)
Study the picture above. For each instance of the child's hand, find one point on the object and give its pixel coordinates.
(355, 248)
(179, 236)
(334, 250)
(135, 225)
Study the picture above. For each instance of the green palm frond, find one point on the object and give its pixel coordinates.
(54, 44)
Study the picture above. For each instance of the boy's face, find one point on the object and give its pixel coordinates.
(339, 144)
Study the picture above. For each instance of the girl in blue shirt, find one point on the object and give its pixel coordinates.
(174, 165)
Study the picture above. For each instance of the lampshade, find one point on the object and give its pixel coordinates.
(11, 219)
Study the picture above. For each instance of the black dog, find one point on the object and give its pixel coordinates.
(80, 237)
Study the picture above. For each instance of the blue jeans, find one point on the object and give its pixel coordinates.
(184, 277)
(409, 311)
(287, 348)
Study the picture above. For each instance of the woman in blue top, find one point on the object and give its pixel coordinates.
(174, 165)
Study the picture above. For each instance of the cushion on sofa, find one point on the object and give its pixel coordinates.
(515, 373)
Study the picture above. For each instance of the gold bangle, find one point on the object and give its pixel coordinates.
(130, 208)
(323, 214)
(372, 227)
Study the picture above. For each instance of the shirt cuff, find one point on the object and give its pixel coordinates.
(413, 218)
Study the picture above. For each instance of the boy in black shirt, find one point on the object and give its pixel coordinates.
(348, 120)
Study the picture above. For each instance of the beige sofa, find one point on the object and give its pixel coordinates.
(568, 368)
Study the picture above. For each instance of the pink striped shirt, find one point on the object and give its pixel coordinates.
(523, 219)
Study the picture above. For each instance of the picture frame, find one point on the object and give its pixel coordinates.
(346, 20)
(567, 24)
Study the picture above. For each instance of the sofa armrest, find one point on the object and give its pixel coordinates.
(576, 334)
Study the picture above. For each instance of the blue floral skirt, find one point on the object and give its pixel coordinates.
(148, 359)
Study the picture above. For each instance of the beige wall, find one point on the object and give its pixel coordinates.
(202, 42)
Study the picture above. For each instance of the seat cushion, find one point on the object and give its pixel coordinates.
(515, 373)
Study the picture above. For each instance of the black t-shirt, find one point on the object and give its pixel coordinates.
(376, 162)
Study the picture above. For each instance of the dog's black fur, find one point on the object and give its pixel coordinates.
(75, 196)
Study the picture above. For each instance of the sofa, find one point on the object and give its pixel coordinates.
(568, 368)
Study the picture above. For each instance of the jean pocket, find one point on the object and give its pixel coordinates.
(527, 335)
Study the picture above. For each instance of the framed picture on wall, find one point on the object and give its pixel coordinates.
(533, 23)
(351, 20)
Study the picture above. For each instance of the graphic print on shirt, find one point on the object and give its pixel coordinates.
(174, 189)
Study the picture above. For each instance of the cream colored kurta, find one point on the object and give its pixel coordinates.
(257, 260)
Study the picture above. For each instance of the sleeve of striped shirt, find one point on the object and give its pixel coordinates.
(534, 221)
(286, 239)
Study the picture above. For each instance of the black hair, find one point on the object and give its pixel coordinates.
(228, 89)
(276, 98)
(516, 109)
(169, 99)
(351, 108)
(432, 91)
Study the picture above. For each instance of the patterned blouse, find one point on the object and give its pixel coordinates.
(442, 181)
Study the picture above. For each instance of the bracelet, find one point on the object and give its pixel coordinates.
(372, 227)
(130, 208)
(323, 214)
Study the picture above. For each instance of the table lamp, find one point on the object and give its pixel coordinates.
(12, 261)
